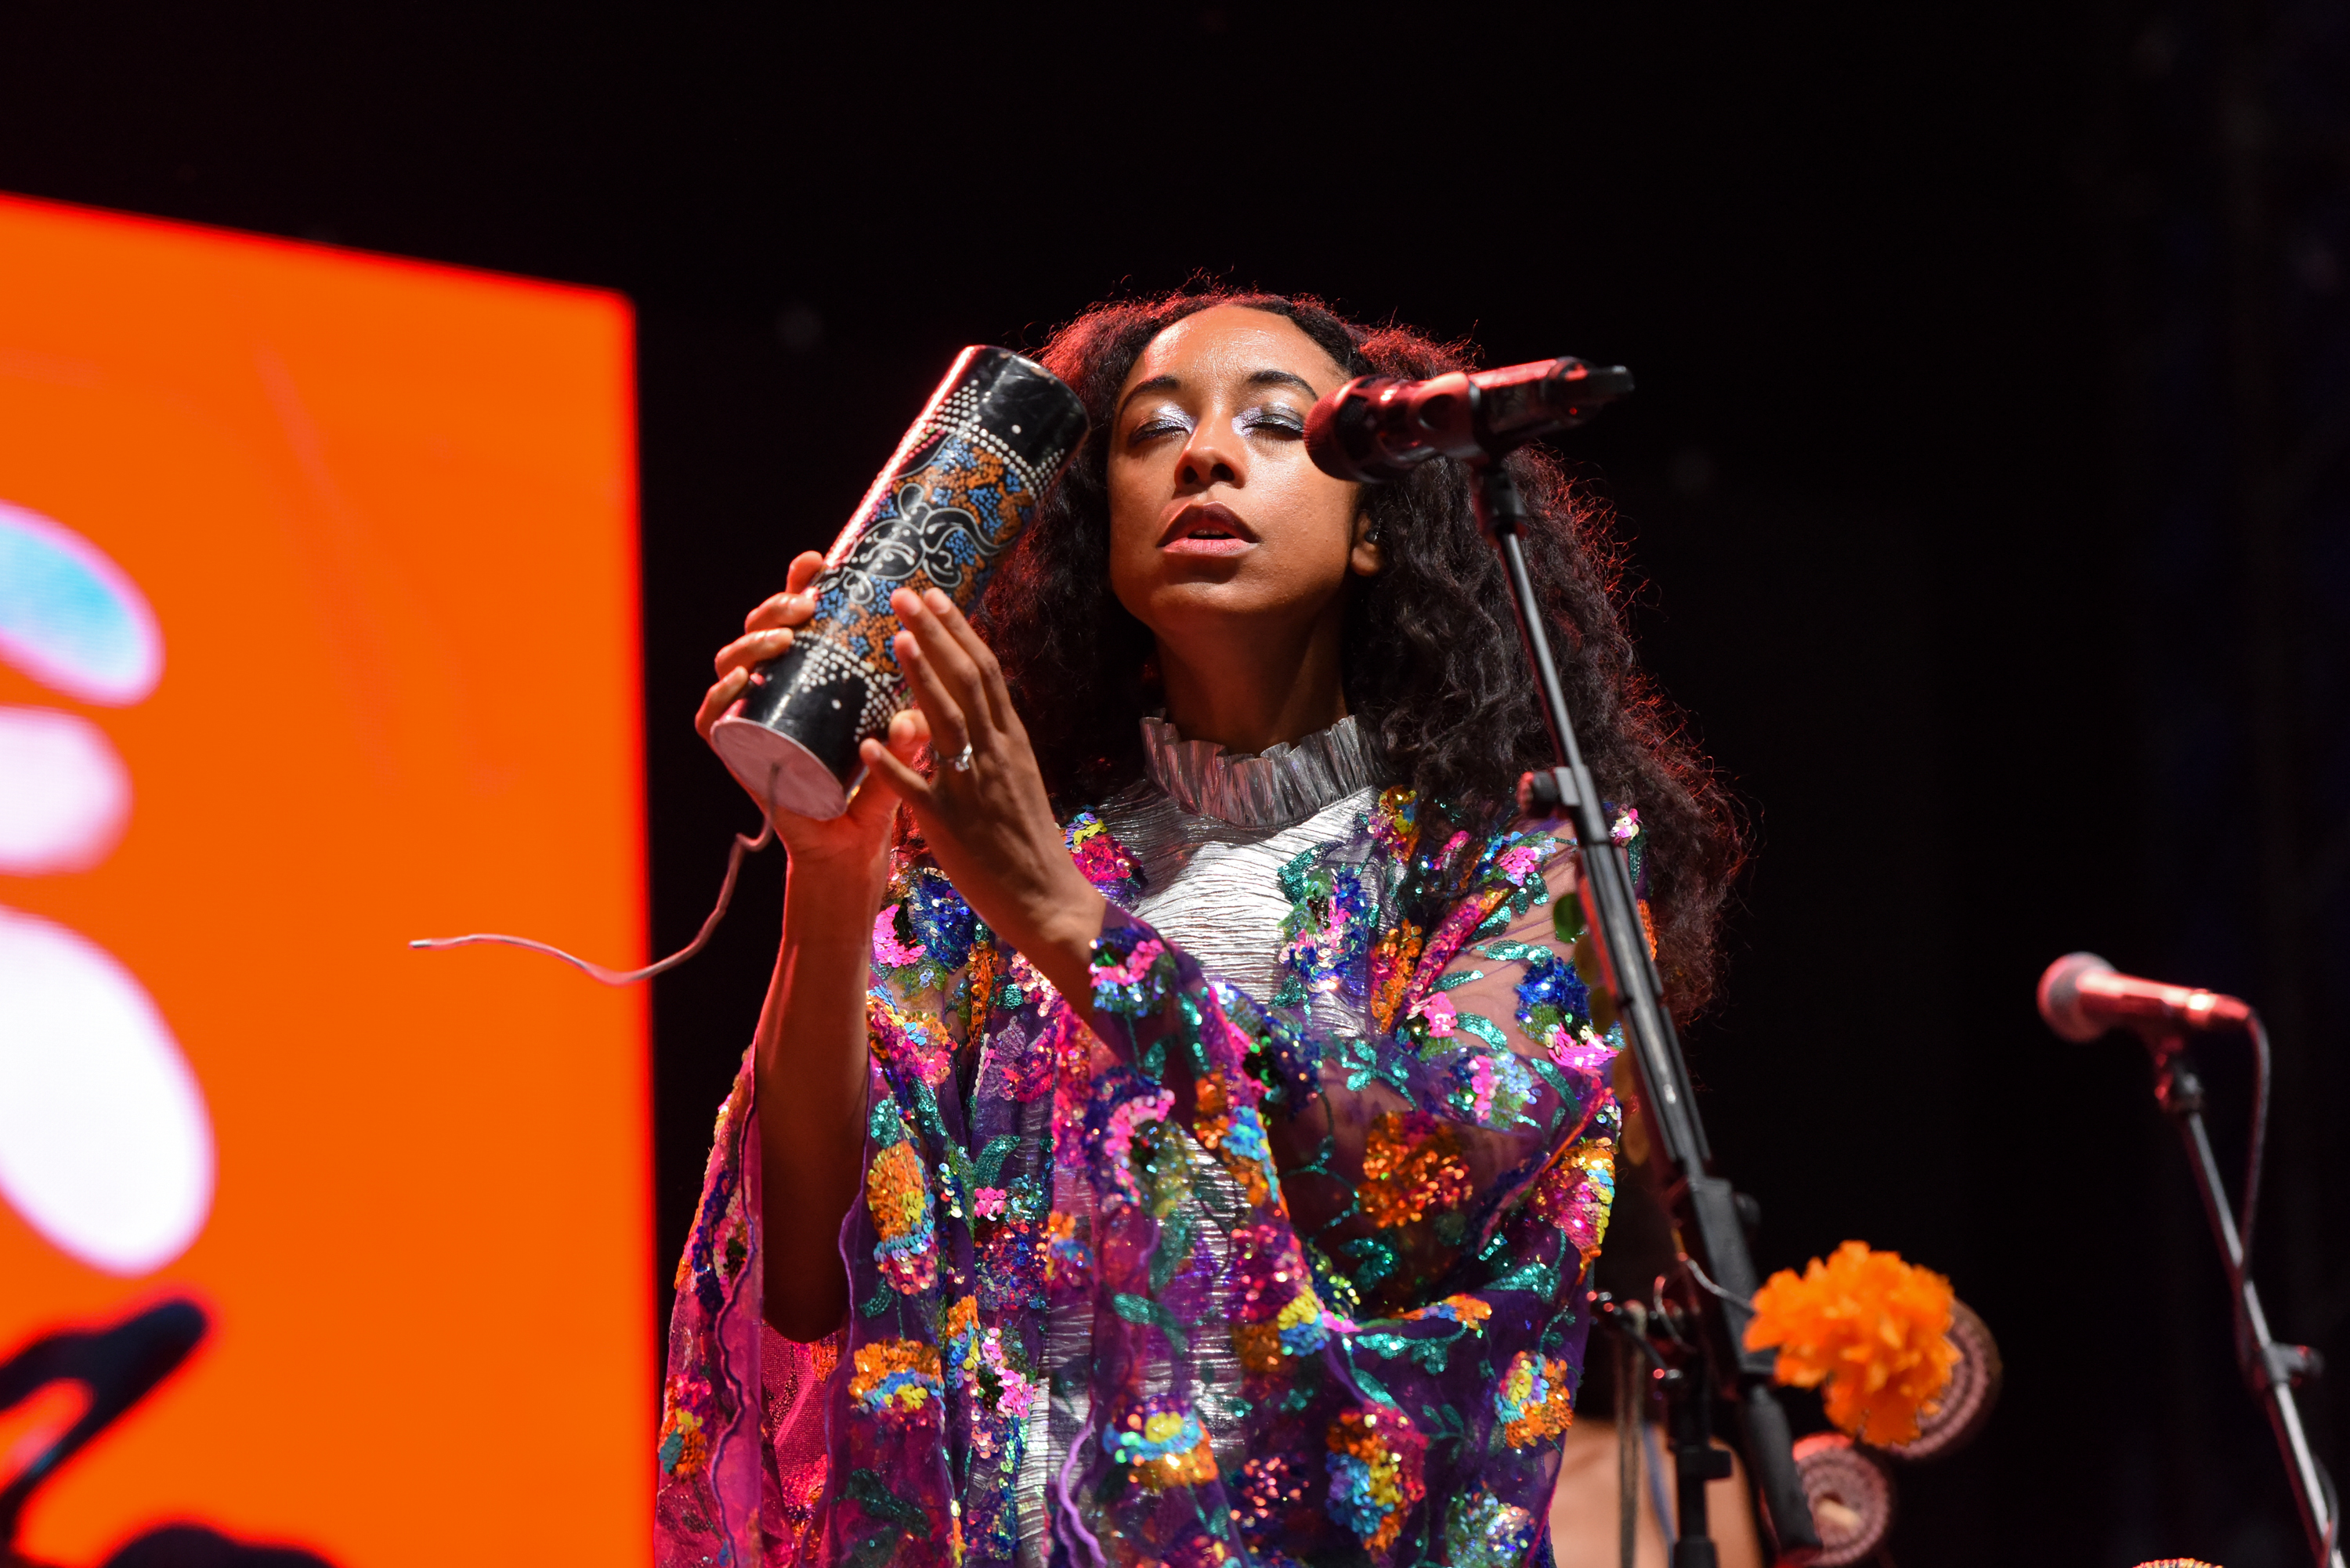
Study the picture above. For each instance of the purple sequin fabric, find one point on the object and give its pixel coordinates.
(1285, 1279)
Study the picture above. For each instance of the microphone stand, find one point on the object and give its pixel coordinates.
(1704, 1205)
(2272, 1369)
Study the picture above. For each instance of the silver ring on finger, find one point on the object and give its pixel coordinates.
(961, 761)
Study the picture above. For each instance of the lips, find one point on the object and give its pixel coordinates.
(1207, 528)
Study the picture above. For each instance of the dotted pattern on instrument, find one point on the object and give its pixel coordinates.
(957, 496)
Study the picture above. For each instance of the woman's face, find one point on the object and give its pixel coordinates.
(1217, 515)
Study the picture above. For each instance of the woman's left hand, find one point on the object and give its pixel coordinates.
(983, 808)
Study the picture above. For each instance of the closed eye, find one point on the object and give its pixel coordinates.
(1164, 423)
(1273, 418)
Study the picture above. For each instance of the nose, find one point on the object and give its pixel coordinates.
(1215, 455)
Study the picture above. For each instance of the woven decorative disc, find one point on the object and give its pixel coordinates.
(1851, 1497)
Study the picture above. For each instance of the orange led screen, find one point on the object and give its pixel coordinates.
(318, 633)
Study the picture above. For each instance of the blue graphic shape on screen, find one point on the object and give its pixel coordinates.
(70, 618)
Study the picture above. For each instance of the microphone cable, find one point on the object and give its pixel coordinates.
(2258, 1033)
(743, 845)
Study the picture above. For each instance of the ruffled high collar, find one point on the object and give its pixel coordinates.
(1275, 787)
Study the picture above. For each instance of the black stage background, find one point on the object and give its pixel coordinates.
(1985, 472)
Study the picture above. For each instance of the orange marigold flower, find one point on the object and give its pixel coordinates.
(1873, 1328)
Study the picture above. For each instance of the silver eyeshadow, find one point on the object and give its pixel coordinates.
(1173, 418)
(1269, 416)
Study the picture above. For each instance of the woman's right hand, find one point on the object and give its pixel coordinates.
(767, 633)
(811, 1045)
(857, 840)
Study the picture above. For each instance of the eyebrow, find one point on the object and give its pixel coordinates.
(1156, 384)
(1256, 378)
(1281, 378)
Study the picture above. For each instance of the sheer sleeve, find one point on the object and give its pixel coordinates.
(1482, 1062)
(1191, 1276)
(743, 1462)
(1424, 1194)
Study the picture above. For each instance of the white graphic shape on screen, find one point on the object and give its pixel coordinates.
(105, 1146)
(65, 794)
(70, 618)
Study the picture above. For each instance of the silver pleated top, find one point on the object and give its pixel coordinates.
(1211, 832)
(1280, 785)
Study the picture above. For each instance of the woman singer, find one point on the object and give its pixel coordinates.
(1179, 1136)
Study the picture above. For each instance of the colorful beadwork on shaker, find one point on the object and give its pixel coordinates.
(963, 484)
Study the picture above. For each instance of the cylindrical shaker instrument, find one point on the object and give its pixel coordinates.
(959, 490)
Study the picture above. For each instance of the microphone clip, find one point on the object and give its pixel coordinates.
(1547, 791)
(2177, 1088)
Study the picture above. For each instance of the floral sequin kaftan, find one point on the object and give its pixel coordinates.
(1285, 1278)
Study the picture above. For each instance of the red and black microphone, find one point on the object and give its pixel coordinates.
(2081, 996)
(1376, 428)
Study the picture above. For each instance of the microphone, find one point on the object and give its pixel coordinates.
(1376, 428)
(2081, 996)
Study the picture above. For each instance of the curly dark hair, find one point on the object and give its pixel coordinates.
(1432, 662)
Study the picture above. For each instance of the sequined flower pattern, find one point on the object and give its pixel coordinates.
(1413, 1168)
(1578, 1191)
(1481, 1530)
(900, 1201)
(683, 1443)
(975, 1357)
(1275, 1309)
(1470, 1311)
(1163, 1445)
(898, 1378)
(1376, 1468)
(1101, 859)
(1535, 1402)
(1130, 975)
(1066, 1257)
(1336, 1235)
